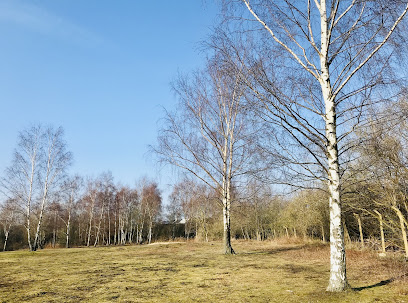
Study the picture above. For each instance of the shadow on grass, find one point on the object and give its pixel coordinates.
(273, 251)
(382, 283)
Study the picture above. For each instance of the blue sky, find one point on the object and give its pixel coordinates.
(100, 69)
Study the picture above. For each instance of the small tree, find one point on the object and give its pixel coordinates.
(39, 164)
(71, 189)
(8, 218)
(151, 203)
(208, 136)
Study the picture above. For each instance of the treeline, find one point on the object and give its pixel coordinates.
(97, 211)
(86, 213)
(43, 206)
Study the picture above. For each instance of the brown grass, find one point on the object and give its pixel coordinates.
(197, 272)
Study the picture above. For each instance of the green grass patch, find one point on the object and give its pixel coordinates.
(196, 272)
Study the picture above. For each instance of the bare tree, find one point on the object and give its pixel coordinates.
(384, 162)
(89, 199)
(197, 204)
(71, 188)
(8, 216)
(127, 204)
(39, 163)
(56, 160)
(151, 204)
(183, 196)
(335, 57)
(104, 197)
(22, 174)
(174, 210)
(208, 136)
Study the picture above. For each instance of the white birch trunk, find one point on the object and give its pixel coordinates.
(44, 199)
(29, 198)
(69, 218)
(99, 225)
(5, 240)
(150, 230)
(226, 201)
(68, 229)
(90, 223)
(115, 242)
(338, 280)
(109, 227)
(380, 219)
(7, 227)
(227, 227)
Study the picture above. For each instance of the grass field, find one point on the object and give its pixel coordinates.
(196, 272)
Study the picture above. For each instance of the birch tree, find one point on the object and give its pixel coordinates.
(39, 163)
(8, 218)
(317, 65)
(151, 204)
(127, 201)
(174, 212)
(56, 160)
(71, 188)
(207, 136)
(90, 200)
(20, 178)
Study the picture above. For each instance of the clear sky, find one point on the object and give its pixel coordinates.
(101, 70)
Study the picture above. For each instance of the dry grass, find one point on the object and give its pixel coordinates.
(196, 272)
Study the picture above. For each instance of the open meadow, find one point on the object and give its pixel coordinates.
(197, 272)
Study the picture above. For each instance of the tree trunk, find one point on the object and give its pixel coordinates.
(150, 230)
(28, 228)
(346, 233)
(68, 227)
(99, 225)
(360, 228)
(109, 227)
(54, 230)
(140, 240)
(338, 280)
(186, 230)
(79, 232)
(115, 242)
(90, 228)
(287, 232)
(323, 235)
(37, 234)
(6, 234)
(67, 239)
(131, 230)
(403, 229)
(380, 219)
(227, 228)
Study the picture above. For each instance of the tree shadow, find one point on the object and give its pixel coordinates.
(381, 283)
(273, 250)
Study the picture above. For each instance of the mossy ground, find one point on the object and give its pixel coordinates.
(196, 272)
